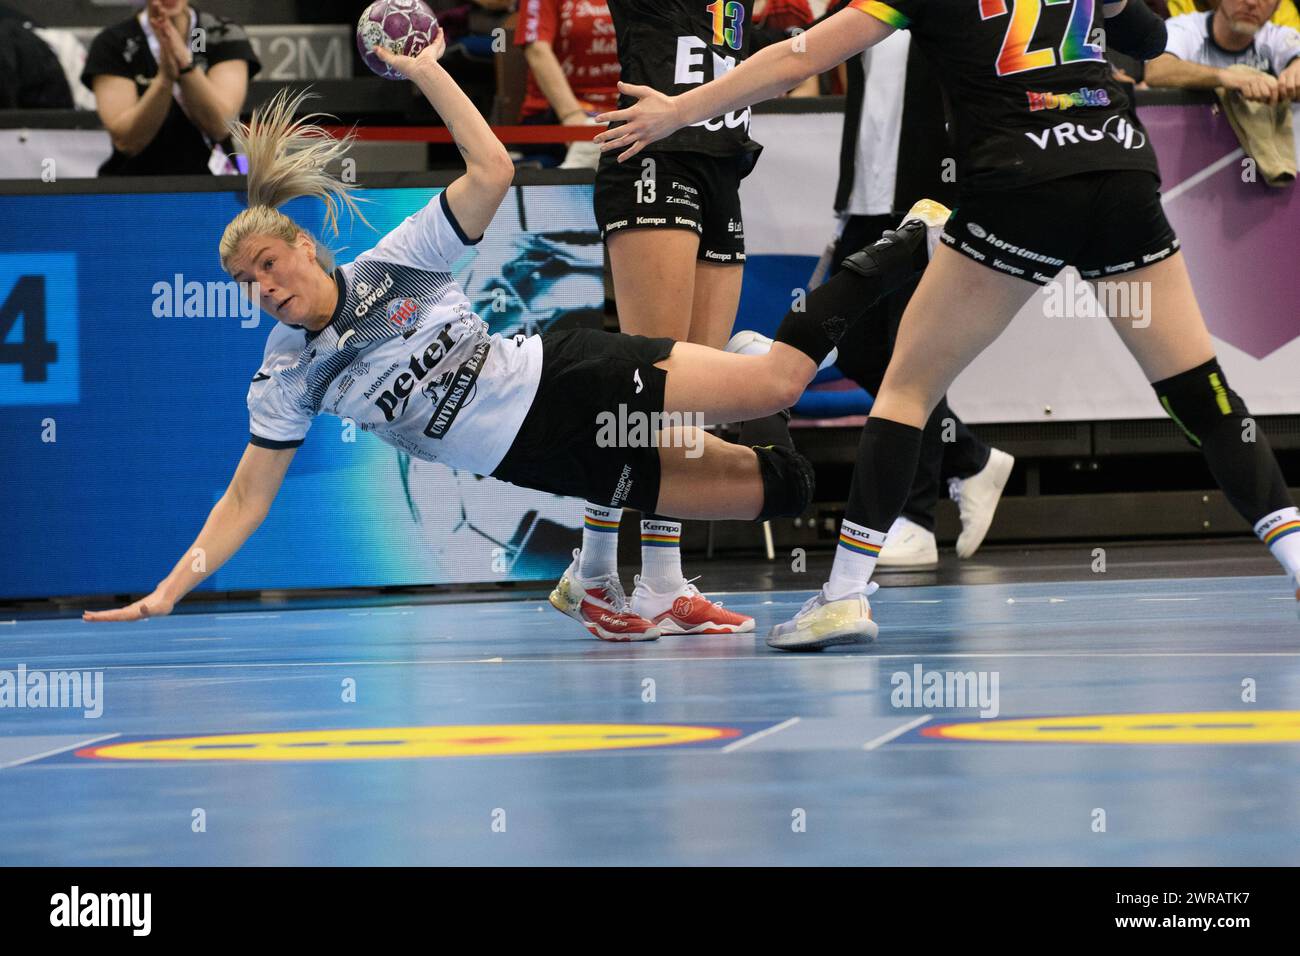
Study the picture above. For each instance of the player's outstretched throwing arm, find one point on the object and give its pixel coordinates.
(474, 197)
(770, 72)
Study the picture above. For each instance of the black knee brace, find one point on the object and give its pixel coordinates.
(1199, 400)
(1215, 419)
(895, 258)
(788, 482)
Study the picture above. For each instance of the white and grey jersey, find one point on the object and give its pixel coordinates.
(403, 356)
(1191, 38)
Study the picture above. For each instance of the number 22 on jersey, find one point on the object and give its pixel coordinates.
(1015, 55)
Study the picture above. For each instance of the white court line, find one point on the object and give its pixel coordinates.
(1196, 178)
(896, 732)
(1170, 599)
(838, 659)
(737, 744)
(57, 750)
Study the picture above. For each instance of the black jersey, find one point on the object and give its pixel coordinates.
(676, 45)
(1032, 97)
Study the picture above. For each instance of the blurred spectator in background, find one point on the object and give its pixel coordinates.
(573, 69)
(572, 58)
(476, 32)
(471, 22)
(167, 82)
(1286, 14)
(1202, 47)
(30, 75)
(777, 20)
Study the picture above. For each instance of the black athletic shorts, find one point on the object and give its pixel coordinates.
(677, 190)
(592, 381)
(1103, 223)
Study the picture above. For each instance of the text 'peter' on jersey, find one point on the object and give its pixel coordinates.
(676, 45)
(1032, 95)
(403, 356)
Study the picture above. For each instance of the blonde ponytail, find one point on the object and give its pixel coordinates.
(287, 158)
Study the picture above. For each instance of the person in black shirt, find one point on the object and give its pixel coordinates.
(167, 82)
(33, 77)
(673, 227)
(1052, 169)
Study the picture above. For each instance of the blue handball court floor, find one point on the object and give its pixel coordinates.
(1019, 710)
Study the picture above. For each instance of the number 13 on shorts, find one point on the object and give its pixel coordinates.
(1015, 55)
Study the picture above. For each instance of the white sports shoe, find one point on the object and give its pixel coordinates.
(821, 623)
(684, 610)
(977, 499)
(908, 545)
(746, 342)
(600, 605)
(934, 215)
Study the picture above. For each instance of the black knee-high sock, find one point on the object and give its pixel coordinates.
(887, 456)
(829, 309)
(1215, 418)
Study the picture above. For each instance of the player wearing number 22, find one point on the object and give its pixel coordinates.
(1053, 170)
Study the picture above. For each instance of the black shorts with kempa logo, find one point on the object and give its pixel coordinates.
(595, 386)
(675, 190)
(1103, 223)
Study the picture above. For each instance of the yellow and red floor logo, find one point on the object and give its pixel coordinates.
(390, 743)
(1198, 727)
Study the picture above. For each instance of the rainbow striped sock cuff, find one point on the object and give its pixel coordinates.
(661, 534)
(1280, 524)
(859, 540)
(605, 520)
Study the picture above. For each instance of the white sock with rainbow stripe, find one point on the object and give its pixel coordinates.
(661, 554)
(1281, 532)
(599, 541)
(855, 560)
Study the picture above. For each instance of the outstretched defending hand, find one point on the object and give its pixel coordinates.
(154, 605)
(408, 66)
(652, 117)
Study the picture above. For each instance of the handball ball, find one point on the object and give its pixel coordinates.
(403, 26)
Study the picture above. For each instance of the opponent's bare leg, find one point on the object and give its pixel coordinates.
(959, 308)
(717, 296)
(662, 593)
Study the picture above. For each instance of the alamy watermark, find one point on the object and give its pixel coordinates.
(946, 689)
(1073, 298)
(208, 300)
(24, 689)
(630, 428)
(133, 911)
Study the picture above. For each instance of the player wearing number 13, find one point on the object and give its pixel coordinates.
(1053, 170)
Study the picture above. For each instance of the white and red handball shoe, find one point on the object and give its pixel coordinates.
(686, 611)
(601, 606)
